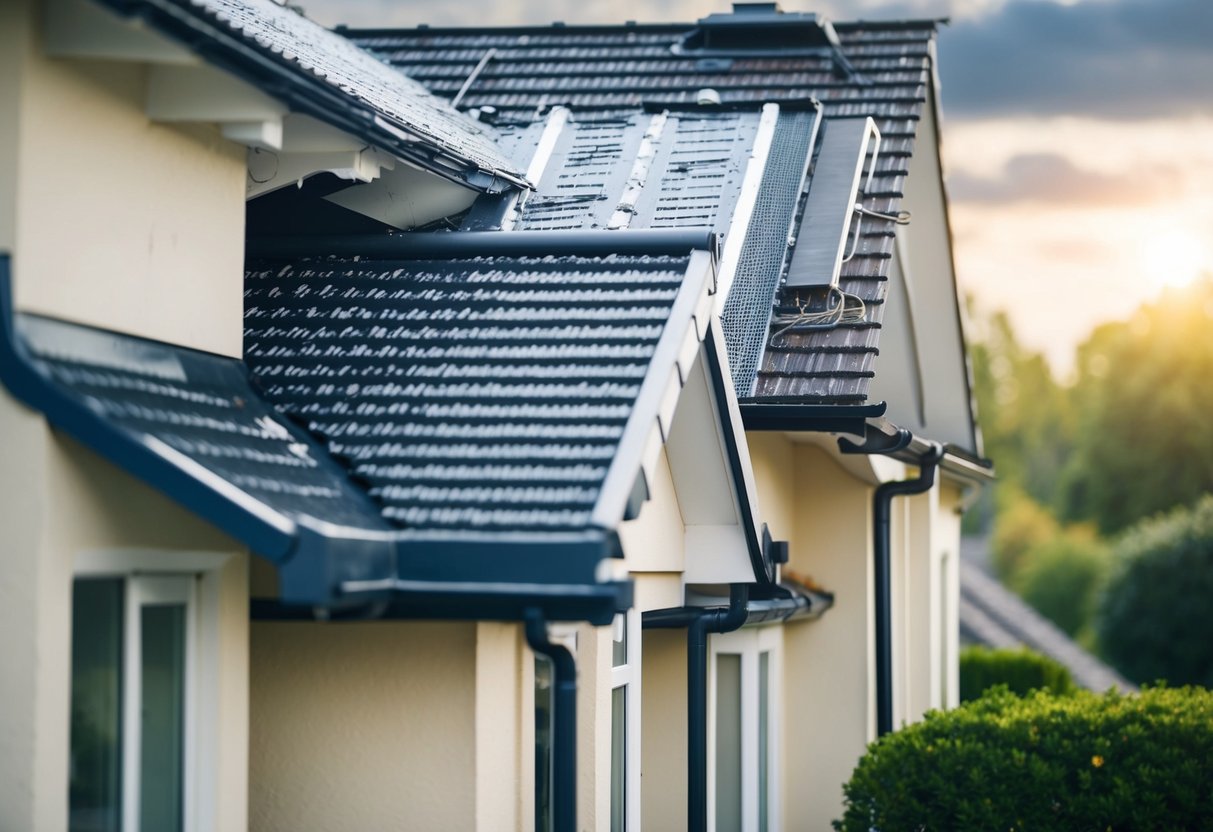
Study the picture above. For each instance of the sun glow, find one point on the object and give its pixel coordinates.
(1175, 258)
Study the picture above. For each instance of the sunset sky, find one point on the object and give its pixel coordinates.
(1078, 138)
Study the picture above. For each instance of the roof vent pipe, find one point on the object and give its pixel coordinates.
(707, 97)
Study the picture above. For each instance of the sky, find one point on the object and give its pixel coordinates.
(1077, 139)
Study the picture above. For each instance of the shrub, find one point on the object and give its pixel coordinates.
(1154, 620)
(1061, 578)
(1021, 671)
(1042, 762)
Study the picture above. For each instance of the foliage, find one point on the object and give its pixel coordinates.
(1143, 402)
(1022, 525)
(1061, 578)
(1042, 762)
(1154, 620)
(1021, 671)
(1024, 414)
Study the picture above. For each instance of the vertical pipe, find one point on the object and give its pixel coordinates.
(881, 543)
(715, 621)
(564, 722)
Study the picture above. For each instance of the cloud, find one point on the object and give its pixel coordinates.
(1120, 59)
(1053, 178)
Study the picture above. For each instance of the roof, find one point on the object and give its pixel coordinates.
(458, 418)
(484, 394)
(319, 73)
(992, 615)
(872, 70)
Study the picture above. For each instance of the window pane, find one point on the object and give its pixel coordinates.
(619, 758)
(728, 742)
(94, 793)
(764, 733)
(161, 796)
(619, 641)
(543, 744)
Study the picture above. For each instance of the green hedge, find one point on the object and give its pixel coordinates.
(1020, 670)
(1153, 621)
(1080, 762)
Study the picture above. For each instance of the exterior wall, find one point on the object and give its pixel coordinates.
(829, 665)
(371, 725)
(117, 222)
(663, 764)
(57, 502)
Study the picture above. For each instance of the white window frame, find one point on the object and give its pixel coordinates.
(153, 577)
(749, 643)
(628, 676)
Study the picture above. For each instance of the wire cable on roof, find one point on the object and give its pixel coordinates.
(901, 217)
(841, 308)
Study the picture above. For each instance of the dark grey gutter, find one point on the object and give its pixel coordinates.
(564, 721)
(452, 245)
(699, 623)
(882, 501)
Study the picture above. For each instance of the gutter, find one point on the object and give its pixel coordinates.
(699, 623)
(564, 720)
(882, 501)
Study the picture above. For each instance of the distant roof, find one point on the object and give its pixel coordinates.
(324, 75)
(881, 70)
(992, 615)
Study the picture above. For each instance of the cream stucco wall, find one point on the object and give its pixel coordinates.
(117, 221)
(366, 725)
(663, 764)
(59, 502)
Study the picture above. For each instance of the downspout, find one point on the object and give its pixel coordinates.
(699, 624)
(564, 720)
(881, 543)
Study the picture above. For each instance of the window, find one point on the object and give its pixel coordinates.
(625, 722)
(135, 702)
(743, 743)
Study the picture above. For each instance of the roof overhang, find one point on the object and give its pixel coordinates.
(221, 456)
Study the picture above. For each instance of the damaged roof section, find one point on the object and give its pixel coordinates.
(856, 71)
(322, 74)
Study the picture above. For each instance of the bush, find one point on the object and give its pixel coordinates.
(1061, 578)
(1021, 671)
(1042, 762)
(1154, 620)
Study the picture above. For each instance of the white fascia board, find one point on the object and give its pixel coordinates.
(82, 29)
(750, 184)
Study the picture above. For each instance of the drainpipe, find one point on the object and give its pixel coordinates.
(699, 624)
(881, 542)
(564, 720)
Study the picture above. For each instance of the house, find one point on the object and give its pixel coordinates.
(483, 431)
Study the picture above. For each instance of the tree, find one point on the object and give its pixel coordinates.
(1024, 414)
(1153, 620)
(1144, 402)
